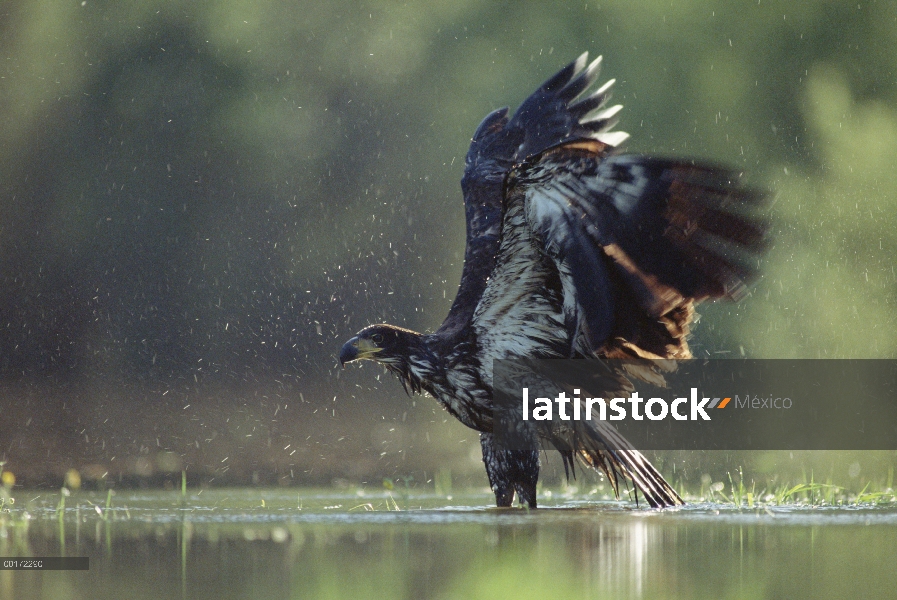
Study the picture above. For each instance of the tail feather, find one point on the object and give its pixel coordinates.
(603, 448)
(595, 442)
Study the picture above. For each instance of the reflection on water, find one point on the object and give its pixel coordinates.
(286, 544)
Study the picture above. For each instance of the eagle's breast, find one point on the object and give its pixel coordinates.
(521, 312)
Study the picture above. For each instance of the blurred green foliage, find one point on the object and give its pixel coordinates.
(218, 193)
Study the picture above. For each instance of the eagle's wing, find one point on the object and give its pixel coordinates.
(554, 114)
(638, 240)
(604, 256)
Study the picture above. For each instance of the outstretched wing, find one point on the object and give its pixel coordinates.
(605, 256)
(638, 240)
(550, 116)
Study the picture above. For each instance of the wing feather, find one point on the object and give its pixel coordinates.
(673, 232)
(635, 242)
(549, 117)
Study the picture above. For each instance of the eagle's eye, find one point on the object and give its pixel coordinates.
(377, 338)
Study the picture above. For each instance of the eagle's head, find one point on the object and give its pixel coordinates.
(386, 344)
(402, 351)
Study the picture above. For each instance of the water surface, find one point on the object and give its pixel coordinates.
(289, 543)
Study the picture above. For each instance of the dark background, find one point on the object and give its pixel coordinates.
(200, 201)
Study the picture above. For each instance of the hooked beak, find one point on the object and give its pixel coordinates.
(357, 349)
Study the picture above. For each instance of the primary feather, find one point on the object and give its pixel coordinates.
(573, 251)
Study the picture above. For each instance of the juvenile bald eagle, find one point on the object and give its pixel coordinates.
(573, 251)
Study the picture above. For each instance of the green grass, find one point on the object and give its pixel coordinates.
(804, 493)
(7, 481)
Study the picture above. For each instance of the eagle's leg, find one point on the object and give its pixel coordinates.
(511, 471)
